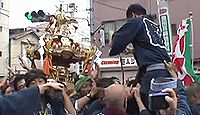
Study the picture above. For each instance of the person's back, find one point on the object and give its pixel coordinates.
(146, 37)
(149, 46)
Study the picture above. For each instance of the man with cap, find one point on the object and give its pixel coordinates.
(86, 90)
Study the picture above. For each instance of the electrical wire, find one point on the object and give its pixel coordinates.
(4, 27)
(4, 10)
(4, 14)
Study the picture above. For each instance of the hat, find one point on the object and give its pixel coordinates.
(81, 82)
(33, 74)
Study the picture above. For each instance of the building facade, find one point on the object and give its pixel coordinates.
(110, 15)
(19, 40)
(4, 35)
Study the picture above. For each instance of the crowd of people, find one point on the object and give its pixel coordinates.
(34, 94)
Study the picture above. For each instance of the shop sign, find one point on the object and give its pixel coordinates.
(115, 62)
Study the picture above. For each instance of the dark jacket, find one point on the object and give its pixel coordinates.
(25, 102)
(183, 105)
(53, 104)
(147, 40)
(195, 109)
(96, 107)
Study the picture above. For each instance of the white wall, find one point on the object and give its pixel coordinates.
(18, 49)
(4, 35)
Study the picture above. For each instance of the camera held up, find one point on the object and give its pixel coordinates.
(156, 96)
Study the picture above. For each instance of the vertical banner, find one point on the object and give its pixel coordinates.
(165, 25)
(181, 55)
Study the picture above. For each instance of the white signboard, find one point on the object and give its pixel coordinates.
(165, 24)
(115, 62)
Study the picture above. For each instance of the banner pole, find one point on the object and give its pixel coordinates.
(122, 69)
(192, 36)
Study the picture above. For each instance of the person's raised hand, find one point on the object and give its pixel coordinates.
(46, 86)
(94, 89)
(137, 91)
(3, 83)
(171, 99)
(171, 68)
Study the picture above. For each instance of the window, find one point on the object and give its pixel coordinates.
(174, 29)
(1, 28)
(1, 3)
(85, 40)
(110, 27)
(0, 53)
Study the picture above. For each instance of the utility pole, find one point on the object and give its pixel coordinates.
(91, 22)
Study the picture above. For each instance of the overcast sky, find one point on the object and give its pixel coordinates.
(19, 7)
